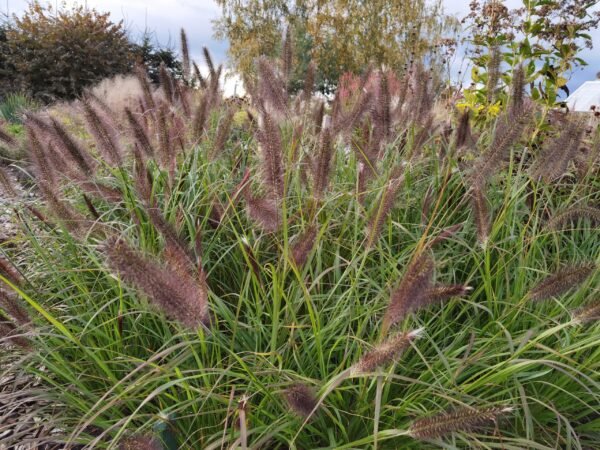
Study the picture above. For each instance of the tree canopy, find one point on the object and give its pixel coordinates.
(337, 35)
(55, 54)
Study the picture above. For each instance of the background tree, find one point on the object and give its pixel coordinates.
(152, 55)
(541, 41)
(56, 54)
(338, 35)
(7, 71)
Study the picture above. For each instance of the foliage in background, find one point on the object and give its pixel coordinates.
(152, 55)
(313, 277)
(544, 37)
(390, 34)
(13, 106)
(7, 71)
(56, 54)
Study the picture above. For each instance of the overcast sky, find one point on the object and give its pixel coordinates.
(166, 17)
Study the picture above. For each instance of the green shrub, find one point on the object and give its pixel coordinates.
(213, 283)
(56, 54)
(13, 106)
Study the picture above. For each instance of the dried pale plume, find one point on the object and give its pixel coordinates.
(464, 419)
(300, 399)
(588, 313)
(572, 215)
(565, 279)
(385, 353)
(181, 297)
(412, 290)
(242, 411)
(113, 94)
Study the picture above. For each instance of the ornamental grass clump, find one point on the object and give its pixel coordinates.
(193, 271)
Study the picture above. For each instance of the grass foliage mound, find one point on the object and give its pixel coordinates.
(368, 273)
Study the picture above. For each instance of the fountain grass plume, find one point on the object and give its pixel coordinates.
(179, 296)
(300, 399)
(464, 419)
(138, 131)
(411, 293)
(563, 280)
(104, 133)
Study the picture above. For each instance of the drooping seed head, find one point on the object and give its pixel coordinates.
(588, 313)
(386, 352)
(411, 291)
(180, 296)
(572, 215)
(464, 419)
(562, 281)
(301, 399)
(442, 292)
